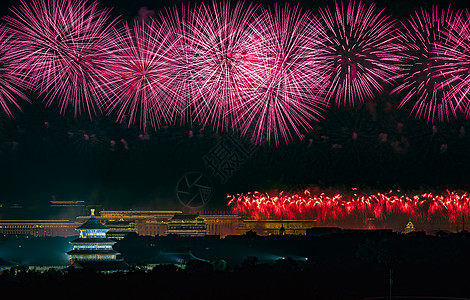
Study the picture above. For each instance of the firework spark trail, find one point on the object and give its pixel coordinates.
(453, 55)
(10, 83)
(141, 74)
(61, 46)
(425, 83)
(267, 73)
(289, 92)
(223, 44)
(362, 51)
(262, 205)
(176, 21)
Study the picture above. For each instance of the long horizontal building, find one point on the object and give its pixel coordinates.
(159, 223)
(39, 228)
(142, 222)
(274, 227)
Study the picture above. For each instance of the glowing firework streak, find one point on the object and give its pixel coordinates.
(288, 92)
(379, 206)
(425, 83)
(362, 51)
(453, 58)
(141, 74)
(61, 46)
(9, 82)
(223, 46)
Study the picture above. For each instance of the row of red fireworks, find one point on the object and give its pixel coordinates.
(451, 205)
(264, 72)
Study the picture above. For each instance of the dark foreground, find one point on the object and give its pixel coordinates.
(283, 280)
(340, 266)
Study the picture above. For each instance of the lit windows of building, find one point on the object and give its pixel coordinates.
(93, 250)
(38, 228)
(121, 223)
(273, 227)
(152, 227)
(55, 203)
(222, 224)
(190, 225)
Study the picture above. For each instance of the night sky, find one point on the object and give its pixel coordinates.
(44, 153)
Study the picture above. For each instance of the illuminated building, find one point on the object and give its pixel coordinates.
(275, 227)
(152, 227)
(67, 209)
(155, 223)
(410, 227)
(93, 250)
(161, 223)
(190, 225)
(222, 224)
(39, 228)
(55, 203)
(121, 223)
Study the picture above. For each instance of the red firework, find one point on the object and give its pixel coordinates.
(362, 51)
(287, 93)
(259, 205)
(61, 46)
(141, 73)
(10, 83)
(425, 84)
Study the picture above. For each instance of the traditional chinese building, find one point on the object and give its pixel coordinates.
(93, 250)
(39, 228)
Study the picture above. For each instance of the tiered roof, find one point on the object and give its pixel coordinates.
(105, 259)
(92, 223)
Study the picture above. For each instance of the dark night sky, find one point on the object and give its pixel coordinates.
(43, 153)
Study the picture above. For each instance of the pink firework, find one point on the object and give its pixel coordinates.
(141, 73)
(362, 51)
(10, 83)
(424, 82)
(222, 46)
(177, 24)
(61, 46)
(287, 94)
(452, 56)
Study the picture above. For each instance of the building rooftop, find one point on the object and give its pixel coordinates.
(92, 241)
(92, 223)
(177, 217)
(112, 251)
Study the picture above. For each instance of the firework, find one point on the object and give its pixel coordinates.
(60, 47)
(425, 84)
(453, 59)
(287, 93)
(221, 47)
(362, 51)
(9, 81)
(85, 139)
(141, 74)
(326, 208)
(352, 138)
